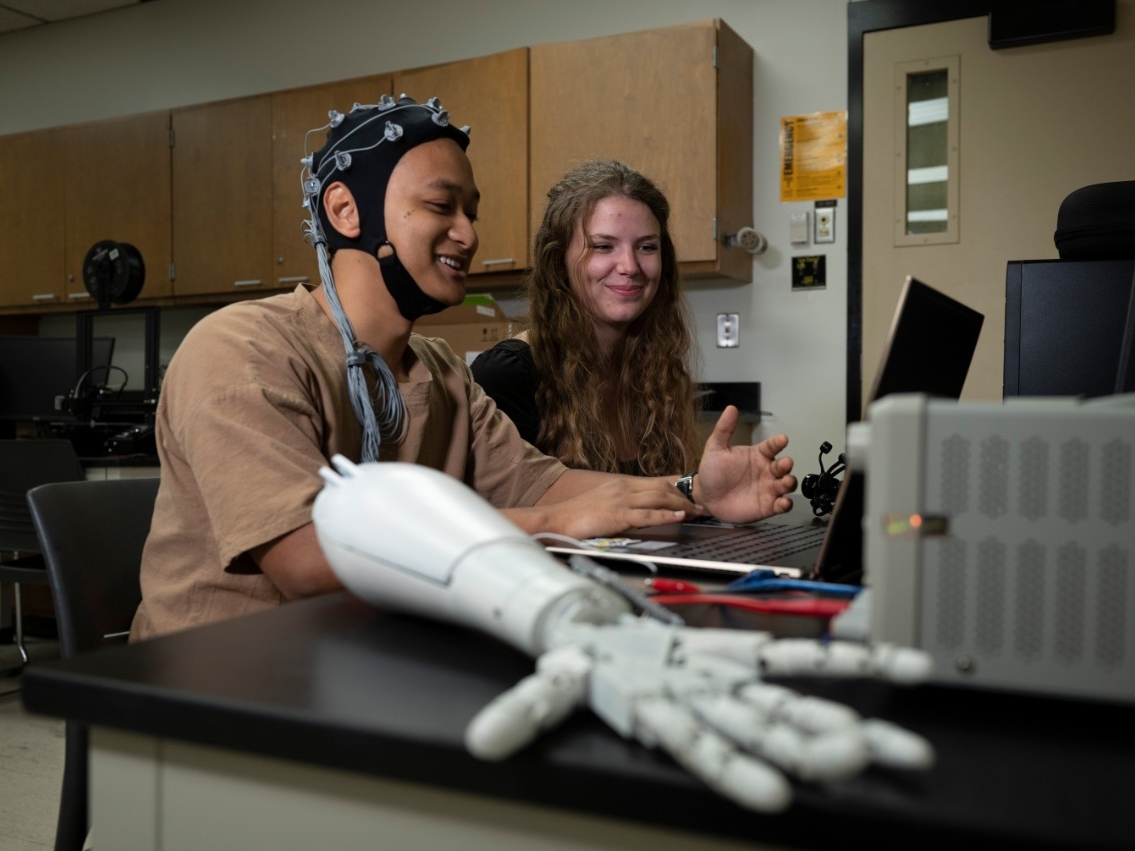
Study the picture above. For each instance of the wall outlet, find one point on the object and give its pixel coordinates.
(728, 330)
(825, 225)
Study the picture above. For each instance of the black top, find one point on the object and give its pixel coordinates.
(508, 374)
(334, 682)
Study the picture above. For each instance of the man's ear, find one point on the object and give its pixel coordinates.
(342, 212)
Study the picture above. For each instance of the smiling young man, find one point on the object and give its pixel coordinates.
(262, 393)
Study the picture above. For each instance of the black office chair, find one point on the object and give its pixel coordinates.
(91, 535)
(23, 465)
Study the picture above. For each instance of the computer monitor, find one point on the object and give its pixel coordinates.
(1068, 327)
(1125, 378)
(37, 372)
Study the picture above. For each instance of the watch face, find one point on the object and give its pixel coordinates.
(686, 486)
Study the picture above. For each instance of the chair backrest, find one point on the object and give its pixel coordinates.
(23, 465)
(91, 534)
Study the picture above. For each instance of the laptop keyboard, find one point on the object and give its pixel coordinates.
(775, 541)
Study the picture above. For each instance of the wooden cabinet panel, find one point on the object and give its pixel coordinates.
(674, 103)
(222, 197)
(225, 201)
(490, 94)
(118, 188)
(31, 248)
(294, 113)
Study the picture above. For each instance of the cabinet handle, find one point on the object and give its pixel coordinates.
(44, 297)
(78, 295)
(293, 279)
(250, 282)
(501, 262)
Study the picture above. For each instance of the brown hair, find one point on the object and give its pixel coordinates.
(655, 407)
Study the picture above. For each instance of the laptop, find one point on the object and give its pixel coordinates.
(929, 349)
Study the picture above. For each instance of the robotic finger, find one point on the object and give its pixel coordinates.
(710, 756)
(537, 703)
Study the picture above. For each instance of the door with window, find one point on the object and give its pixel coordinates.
(967, 154)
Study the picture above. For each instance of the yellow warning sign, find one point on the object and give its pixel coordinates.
(813, 156)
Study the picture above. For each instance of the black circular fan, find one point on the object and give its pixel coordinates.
(113, 272)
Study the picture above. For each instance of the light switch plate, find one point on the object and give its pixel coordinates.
(798, 227)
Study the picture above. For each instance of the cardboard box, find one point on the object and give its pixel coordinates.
(471, 327)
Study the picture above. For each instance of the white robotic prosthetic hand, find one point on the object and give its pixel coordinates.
(409, 537)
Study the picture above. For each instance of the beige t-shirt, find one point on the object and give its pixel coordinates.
(253, 404)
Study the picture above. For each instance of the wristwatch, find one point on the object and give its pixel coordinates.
(686, 486)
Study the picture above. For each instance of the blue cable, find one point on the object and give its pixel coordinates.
(767, 580)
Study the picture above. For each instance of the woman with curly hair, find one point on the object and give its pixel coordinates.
(601, 377)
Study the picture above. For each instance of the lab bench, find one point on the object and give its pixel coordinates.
(329, 723)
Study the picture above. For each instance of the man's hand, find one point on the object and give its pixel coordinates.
(608, 506)
(743, 483)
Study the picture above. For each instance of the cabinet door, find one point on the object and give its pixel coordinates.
(490, 94)
(294, 113)
(31, 248)
(222, 197)
(118, 188)
(674, 103)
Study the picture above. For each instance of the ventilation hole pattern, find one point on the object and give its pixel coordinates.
(1073, 480)
(1110, 613)
(1115, 482)
(1033, 479)
(954, 481)
(1068, 629)
(1028, 610)
(993, 495)
(990, 575)
(951, 594)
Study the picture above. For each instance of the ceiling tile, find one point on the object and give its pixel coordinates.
(19, 14)
(10, 20)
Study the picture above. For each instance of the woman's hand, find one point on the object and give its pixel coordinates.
(743, 483)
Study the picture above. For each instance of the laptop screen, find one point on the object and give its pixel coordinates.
(930, 345)
(929, 349)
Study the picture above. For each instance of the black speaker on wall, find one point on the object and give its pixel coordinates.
(1020, 23)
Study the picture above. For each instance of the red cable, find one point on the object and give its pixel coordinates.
(810, 607)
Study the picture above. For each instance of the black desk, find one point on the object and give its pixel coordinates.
(332, 684)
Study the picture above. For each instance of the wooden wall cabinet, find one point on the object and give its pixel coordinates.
(70, 187)
(224, 201)
(118, 188)
(294, 113)
(490, 94)
(675, 103)
(222, 198)
(31, 248)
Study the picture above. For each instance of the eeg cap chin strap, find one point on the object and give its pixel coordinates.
(362, 149)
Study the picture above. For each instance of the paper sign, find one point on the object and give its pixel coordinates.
(813, 156)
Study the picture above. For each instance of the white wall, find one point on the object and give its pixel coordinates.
(171, 53)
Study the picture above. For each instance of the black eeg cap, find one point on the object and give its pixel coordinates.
(363, 146)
